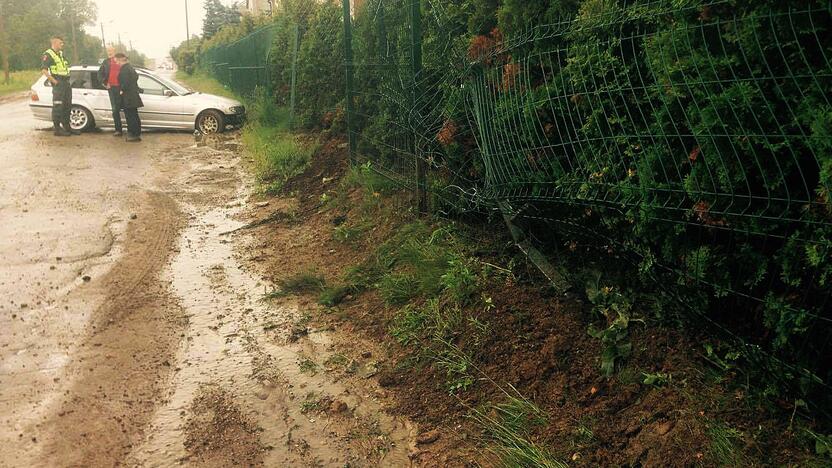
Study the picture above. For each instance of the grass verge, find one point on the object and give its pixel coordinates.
(204, 83)
(278, 154)
(18, 81)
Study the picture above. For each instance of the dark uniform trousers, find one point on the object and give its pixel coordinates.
(61, 102)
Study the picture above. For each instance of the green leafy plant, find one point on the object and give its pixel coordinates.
(659, 379)
(614, 308)
(822, 443)
(460, 281)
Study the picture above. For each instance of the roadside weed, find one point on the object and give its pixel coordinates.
(822, 443)
(506, 428)
(723, 447)
(307, 366)
(659, 379)
(457, 366)
(302, 283)
(278, 156)
(407, 324)
(614, 308)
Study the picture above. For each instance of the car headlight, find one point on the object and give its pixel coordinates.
(237, 110)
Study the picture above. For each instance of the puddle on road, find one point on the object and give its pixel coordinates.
(234, 342)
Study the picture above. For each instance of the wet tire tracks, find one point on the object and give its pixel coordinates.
(122, 366)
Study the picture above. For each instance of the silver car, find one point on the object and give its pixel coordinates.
(167, 104)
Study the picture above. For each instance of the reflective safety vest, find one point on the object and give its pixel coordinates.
(61, 66)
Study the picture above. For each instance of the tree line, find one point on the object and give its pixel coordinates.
(27, 25)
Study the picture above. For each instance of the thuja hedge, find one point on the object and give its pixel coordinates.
(696, 134)
(645, 122)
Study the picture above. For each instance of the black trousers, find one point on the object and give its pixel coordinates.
(115, 105)
(61, 102)
(134, 123)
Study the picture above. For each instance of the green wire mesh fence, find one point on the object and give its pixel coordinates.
(242, 65)
(695, 141)
(689, 140)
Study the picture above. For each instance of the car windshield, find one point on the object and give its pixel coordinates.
(176, 87)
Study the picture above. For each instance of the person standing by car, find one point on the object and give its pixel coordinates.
(108, 76)
(131, 99)
(56, 69)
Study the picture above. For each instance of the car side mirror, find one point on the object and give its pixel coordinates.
(169, 93)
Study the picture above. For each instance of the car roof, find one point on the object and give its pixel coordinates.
(95, 68)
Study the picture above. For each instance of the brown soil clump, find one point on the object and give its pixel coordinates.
(218, 434)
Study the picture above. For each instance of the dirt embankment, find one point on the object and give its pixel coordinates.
(688, 415)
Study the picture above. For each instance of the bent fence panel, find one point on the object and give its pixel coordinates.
(696, 141)
(693, 142)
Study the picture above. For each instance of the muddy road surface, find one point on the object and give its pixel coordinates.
(132, 331)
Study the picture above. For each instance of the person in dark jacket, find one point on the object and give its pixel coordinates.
(131, 99)
(108, 77)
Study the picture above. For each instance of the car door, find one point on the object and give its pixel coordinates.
(162, 108)
(94, 97)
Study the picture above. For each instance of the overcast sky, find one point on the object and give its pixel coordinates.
(154, 26)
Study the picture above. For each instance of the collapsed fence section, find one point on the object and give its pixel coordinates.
(694, 141)
(689, 148)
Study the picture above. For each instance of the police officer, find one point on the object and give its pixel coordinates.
(56, 69)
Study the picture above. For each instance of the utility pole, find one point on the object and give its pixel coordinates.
(103, 41)
(74, 39)
(187, 26)
(4, 46)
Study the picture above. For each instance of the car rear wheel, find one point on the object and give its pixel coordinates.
(80, 119)
(210, 122)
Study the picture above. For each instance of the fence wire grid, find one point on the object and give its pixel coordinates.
(693, 140)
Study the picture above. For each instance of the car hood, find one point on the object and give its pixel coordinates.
(213, 100)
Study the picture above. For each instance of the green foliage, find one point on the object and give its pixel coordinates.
(659, 379)
(822, 443)
(302, 283)
(320, 81)
(18, 81)
(616, 311)
(460, 280)
(217, 16)
(27, 25)
(185, 55)
(204, 83)
(724, 440)
(278, 156)
(506, 428)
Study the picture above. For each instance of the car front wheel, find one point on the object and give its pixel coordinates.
(80, 119)
(210, 122)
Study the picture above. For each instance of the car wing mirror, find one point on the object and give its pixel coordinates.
(169, 93)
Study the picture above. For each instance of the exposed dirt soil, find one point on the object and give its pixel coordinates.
(219, 434)
(132, 333)
(536, 342)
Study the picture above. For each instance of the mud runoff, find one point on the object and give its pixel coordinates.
(244, 390)
(130, 332)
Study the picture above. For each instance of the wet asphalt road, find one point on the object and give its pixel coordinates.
(64, 207)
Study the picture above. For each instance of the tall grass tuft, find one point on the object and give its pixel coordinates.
(506, 428)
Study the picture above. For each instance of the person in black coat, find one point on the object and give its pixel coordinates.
(131, 99)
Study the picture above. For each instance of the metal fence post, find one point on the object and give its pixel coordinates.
(295, 48)
(348, 65)
(416, 58)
